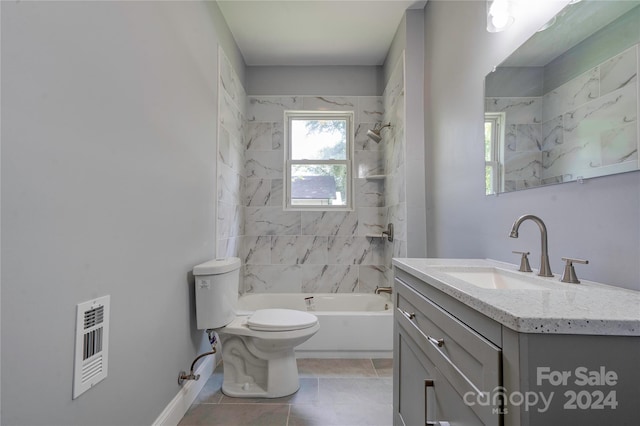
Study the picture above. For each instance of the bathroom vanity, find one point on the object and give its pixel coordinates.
(478, 343)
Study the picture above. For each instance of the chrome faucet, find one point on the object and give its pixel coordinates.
(387, 290)
(545, 268)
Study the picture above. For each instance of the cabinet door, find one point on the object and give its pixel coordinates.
(422, 394)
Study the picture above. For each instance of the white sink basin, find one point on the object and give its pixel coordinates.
(496, 278)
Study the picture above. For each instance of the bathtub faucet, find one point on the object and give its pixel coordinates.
(379, 290)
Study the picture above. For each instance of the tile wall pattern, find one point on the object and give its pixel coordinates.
(308, 251)
(586, 127)
(285, 251)
(230, 167)
(394, 165)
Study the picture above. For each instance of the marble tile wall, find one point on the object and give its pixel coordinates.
(586, 127)
(231, 180)
(394, 165)
(284, 251)
(598, 115)
(522, 160)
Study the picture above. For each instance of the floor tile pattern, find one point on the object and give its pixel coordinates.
(333, 392)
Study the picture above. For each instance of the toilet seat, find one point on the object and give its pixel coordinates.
(280, 320)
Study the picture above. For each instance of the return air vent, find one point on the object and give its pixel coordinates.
(92, 339)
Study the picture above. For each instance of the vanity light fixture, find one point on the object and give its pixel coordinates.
(499, 15)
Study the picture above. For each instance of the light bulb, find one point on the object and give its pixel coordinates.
(500, 20)
(499, 15)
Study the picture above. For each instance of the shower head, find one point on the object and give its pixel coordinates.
(374, 134)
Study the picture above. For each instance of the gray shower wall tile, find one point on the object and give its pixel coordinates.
(372, 220)
(271, 108)
(398, 249)
(264, 164)
(230, 117)
(230, 247)
(230, 220)
(329, 223)
(276, 198)
(582, 148)
(362, 142)
(277, 135)
(395, 152)
(372, 276)
(329, 103)
(524, 166)
(256, 250)
(552, 133)
(397, 215)
(572, 94)
(368, 163)
(231, 83)
(619, 71)
(259, 136)
(230, 152)
(369, 193)
(518, 110)
(303, 253)
(257, 192)
(395, 191)
(230, 185)
(370, 109)
(271, 221)
(272, 279)
(230, 160)
(291, 250)
(356, 250)
(620, 146)
(329, 278)
(394, 92)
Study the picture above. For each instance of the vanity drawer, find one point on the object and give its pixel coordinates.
(469, 361)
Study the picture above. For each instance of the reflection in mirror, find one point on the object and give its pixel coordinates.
(564, 105)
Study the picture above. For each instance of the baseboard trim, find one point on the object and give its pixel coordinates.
(175, 411)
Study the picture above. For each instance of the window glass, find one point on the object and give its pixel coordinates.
(318, 139)
(318, 160)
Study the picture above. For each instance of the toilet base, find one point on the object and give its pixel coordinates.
(247, 376)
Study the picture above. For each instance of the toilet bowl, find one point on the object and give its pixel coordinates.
(258, 349)
(259, 357)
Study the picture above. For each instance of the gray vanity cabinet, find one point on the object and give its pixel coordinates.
(449, 358)
(439, 360)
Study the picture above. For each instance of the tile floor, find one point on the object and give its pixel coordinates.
(333, 392)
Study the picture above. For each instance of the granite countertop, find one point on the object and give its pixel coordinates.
(554, 308)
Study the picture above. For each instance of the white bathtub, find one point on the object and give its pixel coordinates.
(352, 325)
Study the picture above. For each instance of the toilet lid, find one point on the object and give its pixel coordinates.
(280, 320)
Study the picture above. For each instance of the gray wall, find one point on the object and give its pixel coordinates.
(315, 81)
(108, 171)
(597, 220)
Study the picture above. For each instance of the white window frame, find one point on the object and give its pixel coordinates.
(497, 120)
(289, 162)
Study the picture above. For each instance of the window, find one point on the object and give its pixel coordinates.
(493, 143)
(318, 157)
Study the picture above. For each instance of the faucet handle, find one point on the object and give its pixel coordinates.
(569, 275)
(524, 261)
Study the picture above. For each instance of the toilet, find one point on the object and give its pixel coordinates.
(257, 348)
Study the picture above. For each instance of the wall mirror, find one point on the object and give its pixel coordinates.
(564, 105)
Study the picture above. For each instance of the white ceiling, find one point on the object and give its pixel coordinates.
(314, 32)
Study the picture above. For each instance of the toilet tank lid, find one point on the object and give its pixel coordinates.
(217, 266)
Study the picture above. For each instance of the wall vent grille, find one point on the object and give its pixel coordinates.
(92, 341)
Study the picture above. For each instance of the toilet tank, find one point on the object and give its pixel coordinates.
(216, 292)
